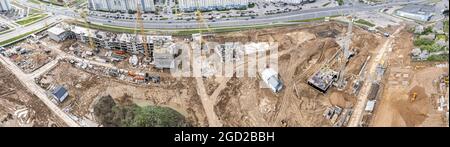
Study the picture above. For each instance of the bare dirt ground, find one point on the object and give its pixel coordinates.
(19, 108)
(238, 101)
(84, 88)
(302, 51)
(35, 58)
(404, 79)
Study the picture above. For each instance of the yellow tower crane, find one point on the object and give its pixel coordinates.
(139, 21)
(84, 15)
(202, 25)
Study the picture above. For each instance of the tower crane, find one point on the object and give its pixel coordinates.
(139, 21)
(84, 15)
(346, 53)
(201, 21)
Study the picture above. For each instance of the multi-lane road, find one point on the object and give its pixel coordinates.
(30, 28)
(183, 24)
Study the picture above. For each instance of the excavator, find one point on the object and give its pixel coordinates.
(413, 97)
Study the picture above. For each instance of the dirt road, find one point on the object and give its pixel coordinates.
(29, 83)
(381, 56)
(208, 104)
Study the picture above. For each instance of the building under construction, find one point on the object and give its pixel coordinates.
(323, 79)
(131, 43)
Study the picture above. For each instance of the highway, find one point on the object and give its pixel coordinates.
(182, 24)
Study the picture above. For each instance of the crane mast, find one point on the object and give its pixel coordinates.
(202, 24)
(346, 53)
(140, 22)
(84, 15)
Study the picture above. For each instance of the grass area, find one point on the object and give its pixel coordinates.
(309, 20)
(225, 30)
(31, 19)
(432, 48)
(180, 32)
(313, 19)
(427, 31)
(365, 22)
(79, 2)
(53, 2)
(434, 1)
(251, 5)
(428, 45)
(34, 11)
(446, 26)
(105, 27)
(340, 2)
(6, 31)
(422, 41)
(35, 1)
(110, 114)
(441, 37)
(438, 58)
(20, 36)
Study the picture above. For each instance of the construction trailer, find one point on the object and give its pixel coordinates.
(272, 79)
(370, 106)
(60, 94)
(374, 91)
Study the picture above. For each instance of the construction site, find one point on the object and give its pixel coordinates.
(309, 66)
(309, 55)
(20, 108)
(31, 54)
(414, 93)
(328, 74)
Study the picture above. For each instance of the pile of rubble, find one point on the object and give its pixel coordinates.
(120, 74)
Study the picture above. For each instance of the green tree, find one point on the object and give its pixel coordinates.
(109, 114)
(423, 41)
(155, 116)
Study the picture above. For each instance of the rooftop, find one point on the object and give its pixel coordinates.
(56, 30)
(270, 77)
(418, 9)
(60, 93)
